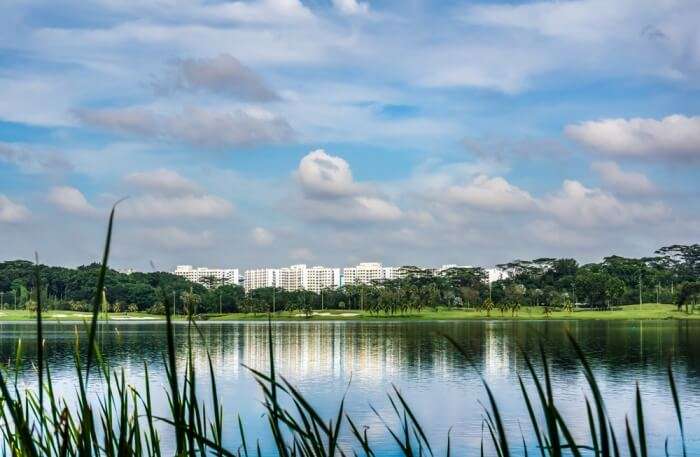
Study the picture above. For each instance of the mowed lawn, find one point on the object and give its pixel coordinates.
(632, 312)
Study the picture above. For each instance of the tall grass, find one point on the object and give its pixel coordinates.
(122, 421)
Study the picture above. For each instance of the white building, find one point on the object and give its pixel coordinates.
(391, 273)
(227, 276)
(364, 273)
(293, 278)
(260, 278)
(319, 278)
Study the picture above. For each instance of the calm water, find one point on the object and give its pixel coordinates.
(323, 359)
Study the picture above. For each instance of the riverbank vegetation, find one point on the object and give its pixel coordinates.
(671, 275)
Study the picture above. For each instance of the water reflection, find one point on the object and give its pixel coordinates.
(323, 357)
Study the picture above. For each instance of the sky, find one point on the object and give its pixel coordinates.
(266, 133)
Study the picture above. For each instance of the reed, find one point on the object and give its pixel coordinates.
(122, 421)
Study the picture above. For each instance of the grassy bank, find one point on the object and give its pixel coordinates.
(648, 311)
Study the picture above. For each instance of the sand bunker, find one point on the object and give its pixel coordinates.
(328, 314)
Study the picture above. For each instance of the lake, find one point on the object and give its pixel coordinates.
(326, 359)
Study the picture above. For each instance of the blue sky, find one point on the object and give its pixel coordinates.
(251, 133)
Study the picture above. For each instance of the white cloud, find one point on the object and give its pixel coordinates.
(222, 75)
(552, 234)
(70, 200)
(624, 182)
(264, 11)
(675, 136)
(351, 210)
(184, 206)
(31, 160)
(351, 7)
(579, 206)
(194, 126)
(370, 209)
(175, 238)
(491, 194)
(262, 236)
(12, 212)
(578, 20)
(325, 176)
(331, 193)
(302, 254)
(162, 181)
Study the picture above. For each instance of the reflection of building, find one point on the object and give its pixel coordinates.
(260, 278)
(219, 276)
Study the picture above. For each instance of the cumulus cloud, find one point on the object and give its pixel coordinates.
(221, 75)
(325, 176)
(171, 207)
(580, 206)
(490, 194)
(624, 182)
(162, 181)
(351, 7)
(262, 236)
(673, 137)
(331, 193)
(12, 212)
(194, 126)
(70, 200)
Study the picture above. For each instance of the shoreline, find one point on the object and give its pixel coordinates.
(648, 312)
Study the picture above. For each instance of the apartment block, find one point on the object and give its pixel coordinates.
(364, 273)
(220, 276)
(260, 278)
(293, 278)
(319, 278)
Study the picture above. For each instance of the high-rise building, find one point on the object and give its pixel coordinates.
(219, 276)
(364, 273)
(391, 273)
(319, 278)
(260, 278)
(293, 278)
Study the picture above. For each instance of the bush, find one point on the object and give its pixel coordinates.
(78, 306)
(157, 308)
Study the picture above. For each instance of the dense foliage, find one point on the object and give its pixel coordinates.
(68, 288)
(545, 282)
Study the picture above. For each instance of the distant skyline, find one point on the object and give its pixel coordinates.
(333, 132)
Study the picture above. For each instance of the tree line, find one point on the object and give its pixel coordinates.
(670, 275)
